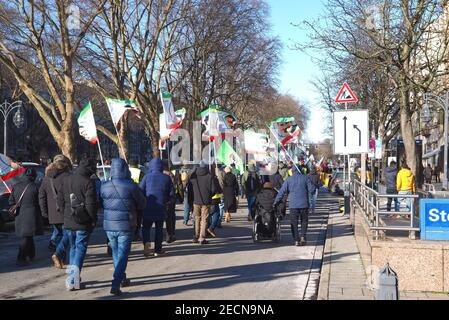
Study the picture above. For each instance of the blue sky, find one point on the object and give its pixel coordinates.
(297, 69)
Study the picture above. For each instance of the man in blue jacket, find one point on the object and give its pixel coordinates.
(158, 189)
(299, 187)
(122, 202)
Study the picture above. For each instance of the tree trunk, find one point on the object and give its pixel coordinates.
(408, 134)
(123, 145)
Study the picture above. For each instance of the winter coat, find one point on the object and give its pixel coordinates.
(81, 184)
(28, 221)
(230, 192)
(252, 185)
(391, 178)
(277, 181)
(158, 189)
(121, 198)
(57, 172)
(202, 186)
(406, 180)
(298, 187)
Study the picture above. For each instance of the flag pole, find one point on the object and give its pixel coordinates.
(9, 190)
(286, 151)
(101, 157)
(121, 145)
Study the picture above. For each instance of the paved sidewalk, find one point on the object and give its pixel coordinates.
(342, 275)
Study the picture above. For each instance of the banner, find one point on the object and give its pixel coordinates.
(87, 127)
(118, 108)
(227, 155)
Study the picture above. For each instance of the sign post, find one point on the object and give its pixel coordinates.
(347, 135)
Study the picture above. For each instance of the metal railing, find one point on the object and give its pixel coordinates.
(369, 202)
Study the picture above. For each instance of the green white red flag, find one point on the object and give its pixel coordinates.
(165, 132)
(118, 108)
(87, 127)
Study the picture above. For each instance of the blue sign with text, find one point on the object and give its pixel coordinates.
(434, 215)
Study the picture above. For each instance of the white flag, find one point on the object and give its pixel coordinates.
(87, 125)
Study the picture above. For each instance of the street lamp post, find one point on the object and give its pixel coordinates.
(5, 110)
(442, 102)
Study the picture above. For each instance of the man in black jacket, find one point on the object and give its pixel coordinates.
(202, 187)
(80, 204)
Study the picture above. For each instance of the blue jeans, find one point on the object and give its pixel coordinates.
(214, 216)
(58, 233)
(312, 199)
(146, 233)
(407, 200)
(78, 248)
(120, 243)
(187, 209)
(251, 202)
(390, 200)
(63, 245)
(221, 213)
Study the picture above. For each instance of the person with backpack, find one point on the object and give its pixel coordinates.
(158, 189)
(80, 204)
(24, 200)
(202, 186)
(51, 185)
(299, 188)
(122, 202)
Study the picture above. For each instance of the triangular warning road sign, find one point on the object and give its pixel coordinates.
(346, 95)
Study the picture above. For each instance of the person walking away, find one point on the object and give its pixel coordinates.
(28, 218)
(185, 173)
(203, 187)
(51, 186)
(298, 187)
(158, 190)
(136, 176)
(80, 204)
(436, 173)
(220, 174)
(122, 202)
(214, 209)
(391, 174)
(170, 221)
(428, 174)
(316, 182)
(230, 193)
(406, 183)
(252, 187)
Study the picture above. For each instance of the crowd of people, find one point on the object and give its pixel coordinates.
(133, 202)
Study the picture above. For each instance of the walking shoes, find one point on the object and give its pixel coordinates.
(147, 249)
(57, 262)
(212, 233)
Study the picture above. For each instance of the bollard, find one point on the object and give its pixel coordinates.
(387, 284)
